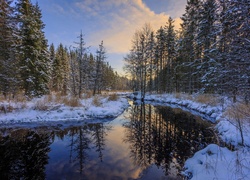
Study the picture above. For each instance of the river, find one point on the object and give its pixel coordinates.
(145, 142)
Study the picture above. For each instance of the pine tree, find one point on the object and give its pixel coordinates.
(52, 57)
(170, 54)
(83, 65)
(8, 61)
(100, 58)
(74, 76)
(160, 59)
(206, 37)
(32, 49)
(234, 48)
(61, 68)
(190, 49)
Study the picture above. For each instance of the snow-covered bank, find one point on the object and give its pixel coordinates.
(60, 112)
(215, 112)
(216, 162)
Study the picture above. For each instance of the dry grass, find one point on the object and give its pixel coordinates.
(207, 99)
(183, 96)
(239, 111)
(71, 101)
(113, 97)
(48, 102)
(96, 101)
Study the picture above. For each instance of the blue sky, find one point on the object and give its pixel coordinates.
(113, 21)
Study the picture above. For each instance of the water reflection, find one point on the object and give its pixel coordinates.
(146, 142)
(24, 155)
(165, 137)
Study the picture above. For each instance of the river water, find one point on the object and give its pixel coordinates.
(145, 142)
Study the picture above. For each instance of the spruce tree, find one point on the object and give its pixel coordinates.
(170, 54)
(100, 58)
(8, 61)
(189, 47)
(32, 49)
(61, 69)
(206, 37)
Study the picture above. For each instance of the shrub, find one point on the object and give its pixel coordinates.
(113, 97)
(72, 101)
(41, 105)
(96, 101)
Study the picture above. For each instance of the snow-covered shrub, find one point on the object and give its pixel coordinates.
(41, 105)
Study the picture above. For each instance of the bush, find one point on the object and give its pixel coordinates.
(41, 105)
(96, 101)
(113, 97)
(72, 101)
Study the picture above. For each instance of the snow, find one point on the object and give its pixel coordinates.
(214, 162)
(212, 113)
(61, 112)
(227, 129)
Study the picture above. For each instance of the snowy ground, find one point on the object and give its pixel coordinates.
(219, 163)
(33, 111)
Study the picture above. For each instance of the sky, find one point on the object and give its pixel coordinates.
(112, 21)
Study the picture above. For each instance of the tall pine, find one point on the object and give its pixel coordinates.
(8, 60)
(33, 54)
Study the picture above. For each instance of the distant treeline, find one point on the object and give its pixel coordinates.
(28, 66)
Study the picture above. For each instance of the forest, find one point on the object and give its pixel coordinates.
(29, 66)
(208, 54)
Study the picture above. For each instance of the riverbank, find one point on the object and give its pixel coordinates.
(64, 109)
(232, 125)
(213, 162)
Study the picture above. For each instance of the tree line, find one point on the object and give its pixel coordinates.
(28, 65)
(209, 54)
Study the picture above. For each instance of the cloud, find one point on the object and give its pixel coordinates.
(119, 19)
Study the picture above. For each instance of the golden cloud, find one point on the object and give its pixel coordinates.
(126, 17)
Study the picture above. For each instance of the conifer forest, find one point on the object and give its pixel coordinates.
(208, 54)
(31, 66)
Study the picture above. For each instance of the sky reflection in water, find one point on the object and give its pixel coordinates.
(145, 142)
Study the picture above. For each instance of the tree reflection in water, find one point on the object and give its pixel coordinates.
(155, 136)
(165, 137)
(24, 154)
(81, 140)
